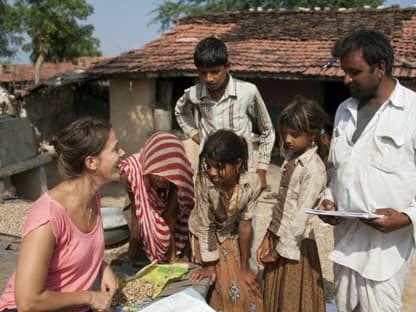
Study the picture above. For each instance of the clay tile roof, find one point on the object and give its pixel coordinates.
(26, 73)
(280, 44)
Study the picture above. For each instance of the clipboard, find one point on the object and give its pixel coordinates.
(343, 214)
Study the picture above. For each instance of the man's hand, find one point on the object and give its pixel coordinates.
(392, 220)
(196, 139)
(262, 176)
(329, 206)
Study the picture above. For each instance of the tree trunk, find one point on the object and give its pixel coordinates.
(38, 65)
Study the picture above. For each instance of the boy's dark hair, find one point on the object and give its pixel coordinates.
(224, 147)
(210, 52)
(305, 116)
(375, 47)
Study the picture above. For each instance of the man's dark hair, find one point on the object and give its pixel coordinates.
(375, 47)
(210, 52)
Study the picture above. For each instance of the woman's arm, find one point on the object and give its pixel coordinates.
(170, 216)
(134, 245)
(31, 272)
(109, 281)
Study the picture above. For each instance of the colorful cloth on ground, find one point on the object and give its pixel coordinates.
(230, 293)
(295, 286)
(162, 155)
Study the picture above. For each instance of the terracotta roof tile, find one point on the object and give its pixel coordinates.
(269, 44)
(26, 73)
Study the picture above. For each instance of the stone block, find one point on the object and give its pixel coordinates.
(16, 140)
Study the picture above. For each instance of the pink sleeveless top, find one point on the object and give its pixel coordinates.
(77, 257)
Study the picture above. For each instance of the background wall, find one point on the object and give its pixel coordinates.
(131, 111)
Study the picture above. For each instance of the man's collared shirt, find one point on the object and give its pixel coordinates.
(378, 171)
(240, 107)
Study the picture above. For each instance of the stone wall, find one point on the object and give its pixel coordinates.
(51, 109)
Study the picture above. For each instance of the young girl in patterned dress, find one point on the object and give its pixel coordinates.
(292, 271)
(220, 223)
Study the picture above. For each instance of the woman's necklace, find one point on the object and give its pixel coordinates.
(90, 211)
(227, 198)
(89, 216)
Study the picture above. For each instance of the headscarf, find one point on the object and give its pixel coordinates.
(163, 155)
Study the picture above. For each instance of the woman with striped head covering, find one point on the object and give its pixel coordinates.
(159, 182)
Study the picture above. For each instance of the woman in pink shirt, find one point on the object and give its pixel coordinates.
(63, 242)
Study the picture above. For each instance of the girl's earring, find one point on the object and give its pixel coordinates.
(237, 170)
(313, 142)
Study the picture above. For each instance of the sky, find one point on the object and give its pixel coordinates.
(123, 25)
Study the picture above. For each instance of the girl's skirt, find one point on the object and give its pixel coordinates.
(294, 286)
(229, 293)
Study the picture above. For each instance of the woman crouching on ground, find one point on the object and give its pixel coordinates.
(159, 183)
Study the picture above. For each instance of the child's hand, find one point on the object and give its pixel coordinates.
(263, 249)
(329, 206)
(208, 271)
(271, 257)
(250, 280)
(196, 139)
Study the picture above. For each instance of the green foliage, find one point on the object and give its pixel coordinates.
(55, 30)
(171, 10)
(9, 38)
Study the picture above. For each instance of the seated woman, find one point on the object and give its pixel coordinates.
(62, 251)
(159, 182)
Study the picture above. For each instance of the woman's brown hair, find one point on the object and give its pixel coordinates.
(83, 137)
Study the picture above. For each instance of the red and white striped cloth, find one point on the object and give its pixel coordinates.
(163, 155)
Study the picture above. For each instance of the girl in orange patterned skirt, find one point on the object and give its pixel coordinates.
(220, 223)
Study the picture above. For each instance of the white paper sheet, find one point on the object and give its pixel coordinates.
(343, 214)
(183, 301)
